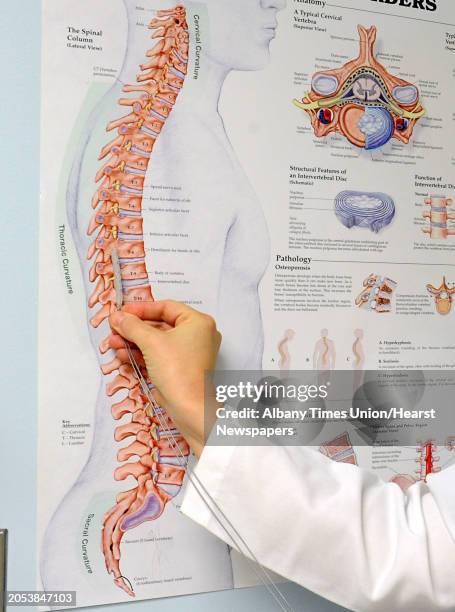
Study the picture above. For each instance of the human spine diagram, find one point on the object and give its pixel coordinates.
(372, 211)
(362, 101)
(443, 297)
(438, 216)
(377, 294)
(159, 472)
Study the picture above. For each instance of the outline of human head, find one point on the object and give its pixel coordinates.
(289, 334)
(241, 32)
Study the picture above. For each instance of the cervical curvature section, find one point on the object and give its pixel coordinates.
(160, 469)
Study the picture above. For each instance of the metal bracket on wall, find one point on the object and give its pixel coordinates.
(3, 567)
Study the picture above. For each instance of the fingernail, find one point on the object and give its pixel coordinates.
(117, 318)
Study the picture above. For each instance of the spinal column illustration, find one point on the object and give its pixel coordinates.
(362, 101)
(438, 216)
(118, 202)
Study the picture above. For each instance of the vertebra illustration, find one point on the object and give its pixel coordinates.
(377, 294)
(362, 101)
(159, 472)
(442, 297)
(438, 216)
(373, 211)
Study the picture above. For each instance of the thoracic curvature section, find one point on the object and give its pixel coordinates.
(362, 101)
(151, 456)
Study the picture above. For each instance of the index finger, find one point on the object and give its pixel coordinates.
(167, 311)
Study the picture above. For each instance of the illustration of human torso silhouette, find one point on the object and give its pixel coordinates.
(324, 353)
(284, 362)
(188, 227)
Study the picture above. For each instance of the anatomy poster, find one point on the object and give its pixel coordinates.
(284, 166)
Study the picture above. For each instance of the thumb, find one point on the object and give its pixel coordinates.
(131, 328)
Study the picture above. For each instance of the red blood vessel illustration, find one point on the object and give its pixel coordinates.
(118, 223)
(427, 460)
(362, 101)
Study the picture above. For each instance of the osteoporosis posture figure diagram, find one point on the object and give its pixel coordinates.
(359, 358)
(133, 156)
(362, 101)
(324, 354)
(283, 349)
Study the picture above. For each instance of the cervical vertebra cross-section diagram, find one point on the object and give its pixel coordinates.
(118, 219)
(362, 101)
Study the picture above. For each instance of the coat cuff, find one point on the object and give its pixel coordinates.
(200, 502)
(441, 486)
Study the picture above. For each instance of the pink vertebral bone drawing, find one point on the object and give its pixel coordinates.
(438, 215)
(160, 469)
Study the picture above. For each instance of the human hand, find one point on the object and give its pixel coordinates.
(178, 345)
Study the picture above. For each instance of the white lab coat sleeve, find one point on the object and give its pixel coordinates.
(334, 528)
